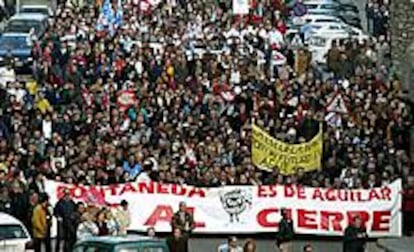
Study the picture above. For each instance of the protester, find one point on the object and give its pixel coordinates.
(170, 96)
(230, 246)
(75, 220)
(355, 236)
(102, 222)
(249, 246)
(41, 225)
(285, 233)
(177, 243)
(184, 221)
(308, 248)
(63, 212)
(87, 227)
(151, 232)
(122, 217)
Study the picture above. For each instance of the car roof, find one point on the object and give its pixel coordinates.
(28, 16)
(119, 239)
(34, 6)
(318, 16)
(14, 34)
(6, 219)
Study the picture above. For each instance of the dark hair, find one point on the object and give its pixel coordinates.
(232, 238)
(124, 203)
(306, 247)
(247, 244)
(43, 198)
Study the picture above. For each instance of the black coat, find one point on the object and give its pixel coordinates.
(351, 241)
(177, 245)
(64, 209)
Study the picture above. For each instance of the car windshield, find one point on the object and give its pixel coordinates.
(147, 249)
(12, 232)
(311, 6)
(35, 10)
(22, 26)
(13, 42)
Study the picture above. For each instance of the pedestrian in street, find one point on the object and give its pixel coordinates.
(230, 246)
(286, 232)
(355, 236)
(177, 243)
(184, 221)
(63, 211)
(40, 224)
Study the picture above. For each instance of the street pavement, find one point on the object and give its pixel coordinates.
(268, 245)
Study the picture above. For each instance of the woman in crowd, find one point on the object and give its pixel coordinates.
(87, 227)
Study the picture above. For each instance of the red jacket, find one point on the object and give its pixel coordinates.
(408, 200)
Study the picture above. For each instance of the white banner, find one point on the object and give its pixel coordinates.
(241, 7)
(248, 209)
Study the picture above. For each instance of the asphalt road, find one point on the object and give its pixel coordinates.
(267, 245)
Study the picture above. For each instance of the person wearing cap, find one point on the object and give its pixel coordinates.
(286, 232)
(41, 225)
(230, 246)
(63, 210)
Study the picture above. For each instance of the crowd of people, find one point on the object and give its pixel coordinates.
(171, 96)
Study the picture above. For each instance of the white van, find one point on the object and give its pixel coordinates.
(14, 236)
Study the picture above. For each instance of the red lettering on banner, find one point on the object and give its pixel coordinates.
(301, 192)
(317, 194)
(328, 220)
(113, 189)
(289, 191)
(263, 220)
(177, 189)
(362, 214)
(162, 213)
(196, 223)
(146, 187)
(374, 195)
(78, 192)
(162, 188)
(128, 188)
(330, 194)
(335, 222)
(386, 193)
(307, 219)
(197, 192)
(266, 191)
(381, 221)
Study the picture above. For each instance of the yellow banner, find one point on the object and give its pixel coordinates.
(269, 153)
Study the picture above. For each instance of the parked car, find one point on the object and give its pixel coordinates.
(25, 22)
(130, 243)
(13, 235)
(16, 48)
(37, 9)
